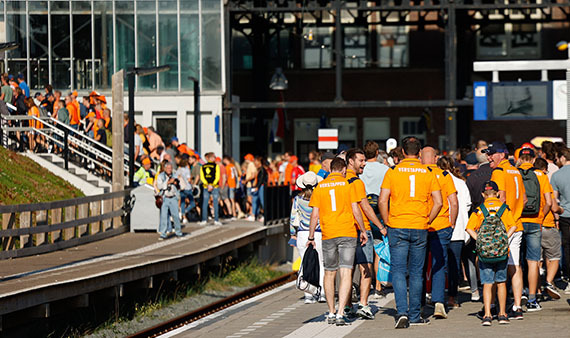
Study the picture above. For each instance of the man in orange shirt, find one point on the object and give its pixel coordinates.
(407, 189)
(74, 115)
(364, 253)
(335, 206)
(440, 230)
(512, 192)
(533, 219)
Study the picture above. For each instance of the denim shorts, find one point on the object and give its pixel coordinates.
(365, 254)
(339, 252)
(533, 236)
(493, 272)
(232, 193)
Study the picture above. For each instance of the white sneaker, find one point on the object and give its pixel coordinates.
(310, 300)
(202, 223)
(184, 220)
(475, 296)
(250, 218)
(217, 223)
(233, 219)
(261, 219)
(567, 290)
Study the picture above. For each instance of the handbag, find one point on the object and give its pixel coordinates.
(308, 277)
(383, 251)
(158, 201)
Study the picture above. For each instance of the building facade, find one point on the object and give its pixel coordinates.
(79, 44)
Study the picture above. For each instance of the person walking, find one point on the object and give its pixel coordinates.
(210, 178)
(167, 184)
(407, 188)
(561, 186)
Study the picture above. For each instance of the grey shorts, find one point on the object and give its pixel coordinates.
(551, 243)
(224, 193)
(232, 193)
(339, 252)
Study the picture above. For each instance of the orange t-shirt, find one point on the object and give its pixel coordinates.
(107, 121)
(493, 205)
(360, 191)
(445, 181)
(74, 116)
(288, 173)
(411, 185)
(334, 198)
(34, 111)
(231, 173)
(545, 188)
(509, 180)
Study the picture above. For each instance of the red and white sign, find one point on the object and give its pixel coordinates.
(328, 139)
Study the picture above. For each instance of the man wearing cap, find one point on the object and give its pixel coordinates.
(326, 159)
(512, 192)
(472, 164)
(74, 113)
(477, 178)
(142, 176)
(22, 84)
(296, 171)
(532, 221)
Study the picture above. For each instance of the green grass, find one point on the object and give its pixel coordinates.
(23, 181)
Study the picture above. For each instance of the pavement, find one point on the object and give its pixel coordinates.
(282, 313)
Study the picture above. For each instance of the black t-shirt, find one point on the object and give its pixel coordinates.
(475, 183)
(101, 132)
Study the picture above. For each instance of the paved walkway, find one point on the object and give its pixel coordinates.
(281, 313)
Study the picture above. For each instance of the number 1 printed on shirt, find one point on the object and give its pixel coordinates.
(333, 200)
(412, 185)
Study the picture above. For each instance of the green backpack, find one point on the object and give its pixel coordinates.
(492, 243)
(532, 188)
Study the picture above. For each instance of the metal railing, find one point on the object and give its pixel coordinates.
(30, 229)
(277, 205)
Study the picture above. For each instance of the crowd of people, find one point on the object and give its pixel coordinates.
(494, 220)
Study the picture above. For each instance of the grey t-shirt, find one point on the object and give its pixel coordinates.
(372, 176)
(8, 93)
(561, 183)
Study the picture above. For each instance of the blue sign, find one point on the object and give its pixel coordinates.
(480, 90)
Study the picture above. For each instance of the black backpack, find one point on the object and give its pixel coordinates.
(532, 187)
(309, 275)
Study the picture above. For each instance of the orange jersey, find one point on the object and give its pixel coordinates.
(545, 188)
(107, 121)
(34, 111)
(447, 188)
(334, 198)
(411, 185)
(493, 205)
(231, 173)
(288, 173)
(75, 103)
(357, 186)
(74, 116)
(509, 180)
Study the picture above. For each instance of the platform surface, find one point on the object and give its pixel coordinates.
(282, 313)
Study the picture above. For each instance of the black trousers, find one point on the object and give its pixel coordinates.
(565, 231)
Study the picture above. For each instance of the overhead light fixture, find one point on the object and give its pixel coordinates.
(278, 80)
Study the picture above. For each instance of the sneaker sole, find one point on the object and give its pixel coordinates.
(504, 323)
(485, 324)
(365, 316)
(420, 324)
(439, 316)
(554, 295)
(533, 310)
(402, 324)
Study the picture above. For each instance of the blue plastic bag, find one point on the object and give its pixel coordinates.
(383, 251)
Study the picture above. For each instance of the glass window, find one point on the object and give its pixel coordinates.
(39, 75)
(211, 45)
(16, 31)
(393, 47)
(60, 37)
(376, 129)
(146, 40)
(165, 124)
(189, 46)
(103, 43)
(317, 47)
(346, 130)
(241, 50)
(168, 44)
(82, 44)
(124, 13)
(355, 47)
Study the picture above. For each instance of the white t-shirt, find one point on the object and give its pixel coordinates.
(138, 142)
(464, 200)
(372, 176)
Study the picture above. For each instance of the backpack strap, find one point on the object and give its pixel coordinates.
(352, 179)
(484, 210)
(501, 210)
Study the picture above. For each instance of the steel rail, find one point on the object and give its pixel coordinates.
(209, 309)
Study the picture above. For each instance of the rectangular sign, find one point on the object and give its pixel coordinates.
(328, 139)
(559, 100)
(480, 101)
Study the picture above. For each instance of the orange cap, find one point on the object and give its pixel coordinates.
(75, 93)
(102, 98)
(146, 161)
(218, 159)
(517, 154)
(527, 145)
(145, 130)
(293, 158)
(248, 157)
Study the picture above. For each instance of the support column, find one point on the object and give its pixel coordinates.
(568, 104)
(338, 51)
(451, 78)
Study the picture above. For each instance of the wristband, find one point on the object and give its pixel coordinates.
(311, 239)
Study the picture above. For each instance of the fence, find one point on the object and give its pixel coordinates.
(277, 204)
(30, 229)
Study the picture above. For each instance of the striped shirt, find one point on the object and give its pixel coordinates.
(301, 216)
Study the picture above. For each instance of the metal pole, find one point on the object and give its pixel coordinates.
(131, 128)
(66, 147)
(338, 52)
(451, 78)
(197, 118)
(568, 105)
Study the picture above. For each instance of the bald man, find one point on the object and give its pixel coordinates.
(440, 230)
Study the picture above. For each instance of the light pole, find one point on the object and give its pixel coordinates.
(131, 74)
(197, 117)
(563, 45)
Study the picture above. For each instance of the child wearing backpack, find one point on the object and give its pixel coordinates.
(490, 226)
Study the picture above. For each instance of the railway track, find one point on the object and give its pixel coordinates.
(207, 310)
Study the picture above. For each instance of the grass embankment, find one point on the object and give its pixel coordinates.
(24, 181)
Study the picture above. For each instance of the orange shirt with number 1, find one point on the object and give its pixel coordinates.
(334, 198)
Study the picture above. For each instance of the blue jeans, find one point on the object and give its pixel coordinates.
(438, 244)
(186, 194)
(169, 209)
(454, 266)
(257, 200)
(206, 198)
(533, 237)
(407, 251)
